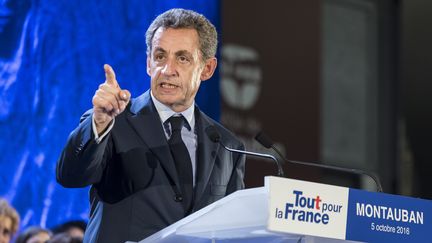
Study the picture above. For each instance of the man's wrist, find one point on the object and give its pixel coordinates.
(100, 135)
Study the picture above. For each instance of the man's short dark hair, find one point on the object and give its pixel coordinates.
(186, 19)
(66, 226)
(30, 232)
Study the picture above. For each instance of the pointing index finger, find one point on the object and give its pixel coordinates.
(110, 75)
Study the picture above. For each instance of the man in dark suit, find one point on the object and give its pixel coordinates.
(149, 160)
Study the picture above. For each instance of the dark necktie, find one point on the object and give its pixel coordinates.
(182, 160)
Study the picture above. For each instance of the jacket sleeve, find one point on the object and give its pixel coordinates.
(82, 160)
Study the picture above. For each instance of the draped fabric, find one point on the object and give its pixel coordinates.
(51, 62)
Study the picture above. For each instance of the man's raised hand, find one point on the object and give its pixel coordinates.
(109, 100)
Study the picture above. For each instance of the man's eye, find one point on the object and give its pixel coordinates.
(183, 59)
(159, 57)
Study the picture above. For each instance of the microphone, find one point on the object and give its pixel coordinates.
(268, 143)
(215, 137)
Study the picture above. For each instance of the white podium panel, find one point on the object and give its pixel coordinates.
(287, 210)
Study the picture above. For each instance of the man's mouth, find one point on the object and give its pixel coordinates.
(168, 86)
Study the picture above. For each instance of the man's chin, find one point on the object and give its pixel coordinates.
(167, 99)
(177, 106)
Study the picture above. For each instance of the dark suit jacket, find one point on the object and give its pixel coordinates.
(133, 177)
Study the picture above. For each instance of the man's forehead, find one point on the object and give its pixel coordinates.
(182, 38)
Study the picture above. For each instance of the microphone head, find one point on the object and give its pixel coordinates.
(213, 134)
(264, 140)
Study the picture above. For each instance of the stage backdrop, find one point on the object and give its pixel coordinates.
(51, 62)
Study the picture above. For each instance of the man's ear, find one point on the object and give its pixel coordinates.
(148, 65)
(209, 68)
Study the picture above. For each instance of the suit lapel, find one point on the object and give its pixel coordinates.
(146, 122)
(206, 154)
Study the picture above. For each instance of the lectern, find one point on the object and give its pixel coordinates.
(287, 210)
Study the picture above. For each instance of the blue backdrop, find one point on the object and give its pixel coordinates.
(51, 62)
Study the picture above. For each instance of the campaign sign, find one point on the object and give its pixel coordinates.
(379, 217)
(306, 208)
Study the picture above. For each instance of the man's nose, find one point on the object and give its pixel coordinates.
(169, 68)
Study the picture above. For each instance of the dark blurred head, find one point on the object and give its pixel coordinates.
(64, 238)
(34, 234)
(73, 228)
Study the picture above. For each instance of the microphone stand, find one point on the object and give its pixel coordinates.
(266, 142)
(269, 156)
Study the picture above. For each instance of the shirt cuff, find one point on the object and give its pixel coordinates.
(98, 138)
